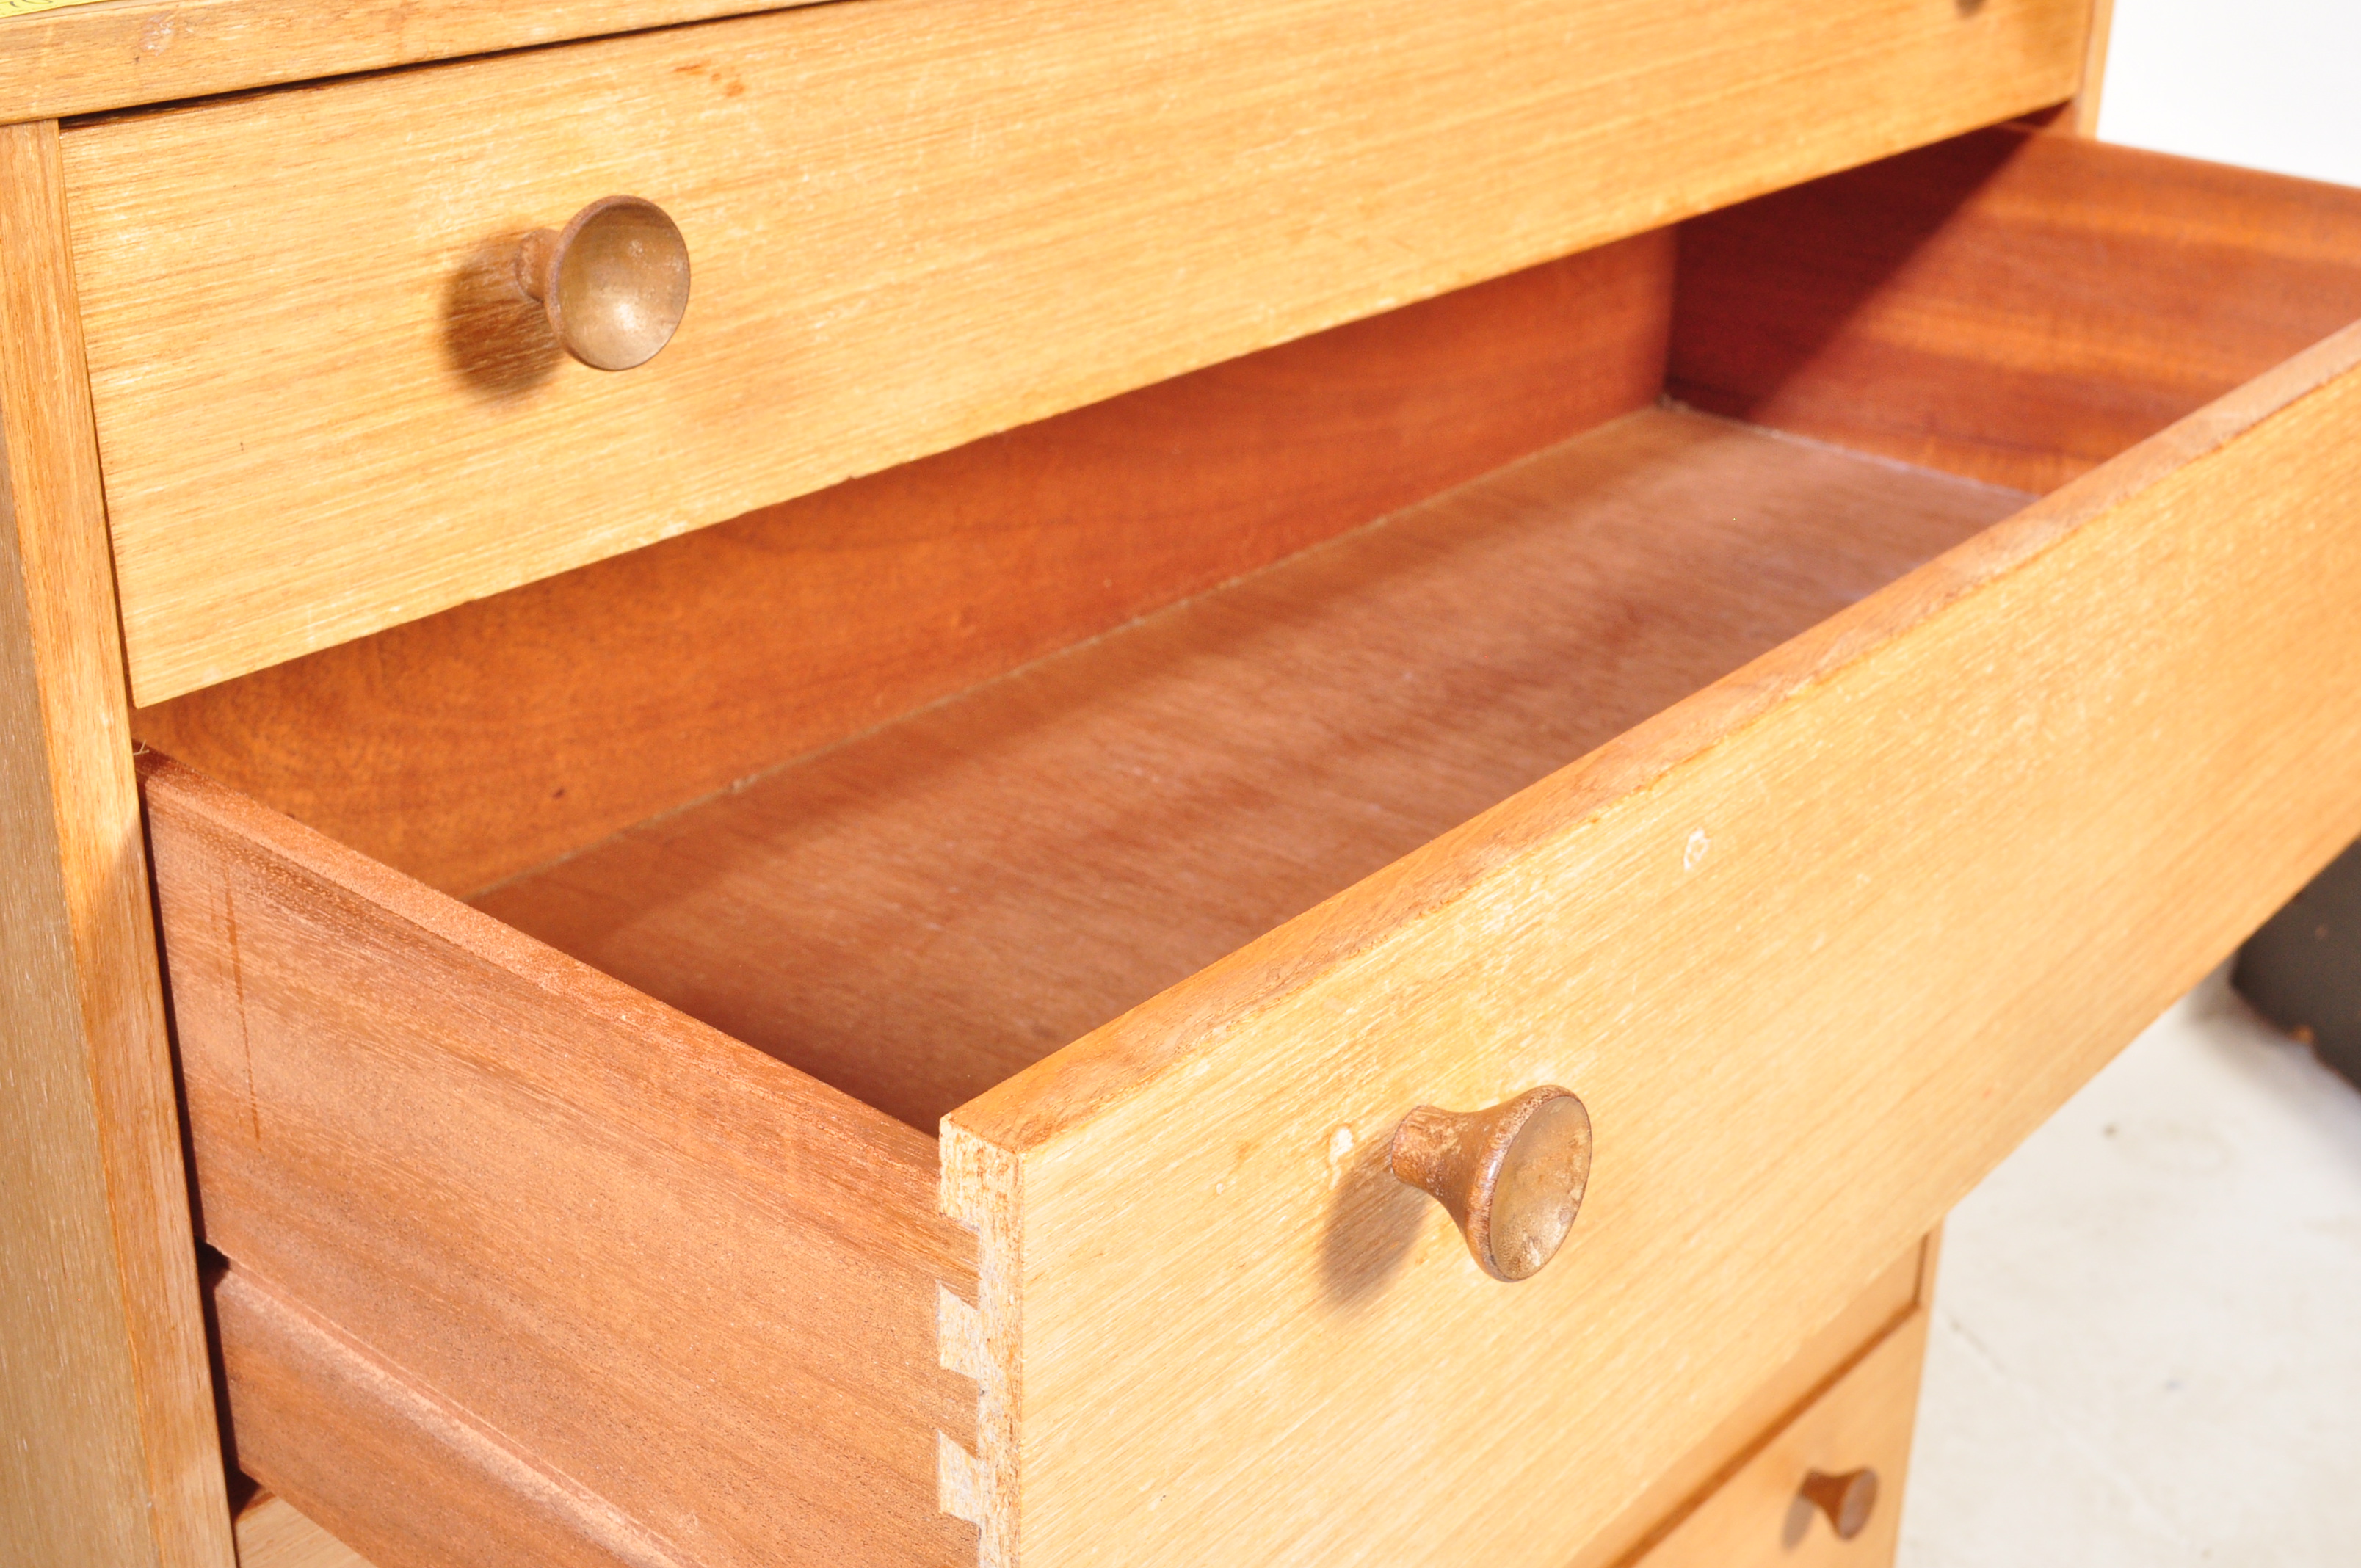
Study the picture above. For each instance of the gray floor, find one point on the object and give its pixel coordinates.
(2147, 1344)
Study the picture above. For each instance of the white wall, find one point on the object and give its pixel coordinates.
(2268, 83)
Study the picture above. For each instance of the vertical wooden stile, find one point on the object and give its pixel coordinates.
(2081, 116)
(102, 1340)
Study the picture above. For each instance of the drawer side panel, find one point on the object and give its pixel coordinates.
(410, 1478)
(687, 1285)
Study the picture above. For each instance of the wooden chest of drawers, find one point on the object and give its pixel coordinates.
(813, 951)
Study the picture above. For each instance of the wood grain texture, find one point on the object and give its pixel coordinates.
(409, 1473)
(2048, 778)
(535, 1247)
(271, 1533)
(1753, 1518)
(497, 736)
(918, 912)
(914, 223)
(110, 1455)
(119, 53)
(2015, 306)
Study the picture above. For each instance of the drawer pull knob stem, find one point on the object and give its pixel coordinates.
(1512, 1176)
(614, 280)
(1848, 1499)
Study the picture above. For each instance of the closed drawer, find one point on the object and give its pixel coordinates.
(1821, 820)
(324, 408)
(1858, 1399)
(1824, 1488)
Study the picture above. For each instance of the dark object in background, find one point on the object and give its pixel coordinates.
(2302, 970)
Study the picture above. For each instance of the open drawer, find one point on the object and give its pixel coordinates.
(1782, 778)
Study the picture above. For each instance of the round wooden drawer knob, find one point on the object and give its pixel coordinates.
(1512, 1176)
(614, 280)
(1848, 1499)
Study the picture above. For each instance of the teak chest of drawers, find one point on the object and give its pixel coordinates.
(823, 950)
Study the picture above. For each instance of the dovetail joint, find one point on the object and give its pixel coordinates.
(979, 1484)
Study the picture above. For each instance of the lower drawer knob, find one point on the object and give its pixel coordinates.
(614, 280)
(1512, 1176)
(1848, 1499)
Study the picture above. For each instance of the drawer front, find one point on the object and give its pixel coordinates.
(324, 408)
(1816, 946)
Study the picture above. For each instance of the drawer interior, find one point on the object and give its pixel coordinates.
(920, 911)
(914, 782)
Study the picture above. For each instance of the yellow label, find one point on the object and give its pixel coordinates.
(19, 7)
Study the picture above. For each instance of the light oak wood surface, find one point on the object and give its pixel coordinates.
(324, 410)
(2015, 306)
(527, 1268)
(119, 53)
(2049, 779)
(495, 737)
(918, 912)
(108, 1453)
(1755, 1517)
(272, 1534)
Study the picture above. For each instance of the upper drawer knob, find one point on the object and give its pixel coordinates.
(614, 280)
(1848, 1499)
(1512, 1176)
